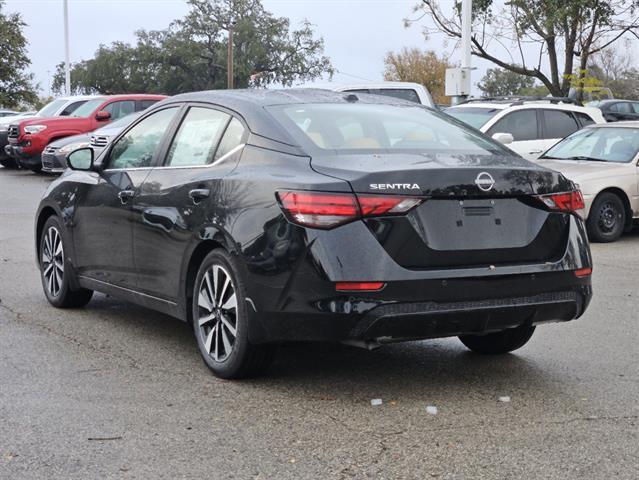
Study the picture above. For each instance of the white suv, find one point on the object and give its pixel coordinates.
(413, 92)
(527, 126)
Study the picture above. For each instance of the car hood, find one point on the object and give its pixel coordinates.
(581, 171)
(82, 138)
(15, 119)
(54, 122)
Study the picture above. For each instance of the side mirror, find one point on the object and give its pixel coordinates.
(504, 138)
(81, 159)
(102, 115)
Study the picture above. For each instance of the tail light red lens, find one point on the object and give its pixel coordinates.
(583, 272)
(569, 202)
(359, 286)
(328, 210)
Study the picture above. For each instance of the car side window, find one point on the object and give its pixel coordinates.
(197, 137)
(401, 93)
(584, 119)
(522, 125)
(120, 109)
(559, 124)
(71, 108)
(635, 107)
(136, 148)
(144, 104)
(231, 139)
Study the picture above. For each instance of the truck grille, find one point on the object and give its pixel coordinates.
(14, 131)
(99, 140)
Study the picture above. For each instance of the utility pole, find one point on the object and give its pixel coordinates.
(229, 59)
(458, 79)
(67, 66)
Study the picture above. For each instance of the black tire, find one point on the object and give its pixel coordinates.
(213, 304)
(498, 342)
(9, 163)
(56, 280)
(607, 219)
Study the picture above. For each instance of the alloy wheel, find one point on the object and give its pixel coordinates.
(217, 313)
(53, 261)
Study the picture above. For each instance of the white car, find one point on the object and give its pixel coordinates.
(413, 92)
(602, 160)
(527, 126)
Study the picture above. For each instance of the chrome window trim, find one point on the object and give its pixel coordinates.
(173, 167)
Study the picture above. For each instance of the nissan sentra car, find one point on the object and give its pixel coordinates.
(263, 217)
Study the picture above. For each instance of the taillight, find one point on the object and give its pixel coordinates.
(359, 286)
(569, 202)
(328, 210)
(583, 272)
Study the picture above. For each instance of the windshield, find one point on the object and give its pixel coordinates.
(355, 127)
(50, 109)
(88, 108)
(120, 123)
(474, 116)
(608, 144)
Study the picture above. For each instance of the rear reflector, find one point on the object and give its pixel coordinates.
(569, 202)
(328, 210)
(583, 272)
(359, 286)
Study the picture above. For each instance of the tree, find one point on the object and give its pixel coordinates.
(191, 54)
(498, 82)
(423, 67)
(614, 68)
(16, 85)
(564, 33)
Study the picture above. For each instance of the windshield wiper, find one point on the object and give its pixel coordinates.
(583, 157)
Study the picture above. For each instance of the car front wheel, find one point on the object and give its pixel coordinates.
(220, 320)
(498, 342)
(607, 218)
(55, 269)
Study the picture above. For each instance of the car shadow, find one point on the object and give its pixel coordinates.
(332, 371)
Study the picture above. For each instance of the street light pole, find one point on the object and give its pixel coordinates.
(229, 59)
(458, 85)
(67, 66)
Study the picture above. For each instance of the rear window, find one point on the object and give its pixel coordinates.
(357, 127)
(474, 116)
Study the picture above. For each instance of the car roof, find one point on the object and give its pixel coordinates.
(624, 124)
(250, 103)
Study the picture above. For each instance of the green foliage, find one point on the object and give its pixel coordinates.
(423, 67)
(192, 53)
(16, 86)
(498, 82)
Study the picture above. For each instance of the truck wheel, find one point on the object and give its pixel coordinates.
(607, 218)
(498, 342)
(220, 320)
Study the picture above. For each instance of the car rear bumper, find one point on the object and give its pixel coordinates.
(445, 308)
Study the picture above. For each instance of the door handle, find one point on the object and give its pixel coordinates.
(199, 194)
(534, 152)
(125, 195)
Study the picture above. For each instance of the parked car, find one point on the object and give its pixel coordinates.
(603, 160)
(28, 139)
(616, 110)
(526, 126)
(287, 215)
(59, 107)
(8, 113)
(55, 154)
(413, 92)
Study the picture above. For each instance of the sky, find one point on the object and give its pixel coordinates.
(357, 33)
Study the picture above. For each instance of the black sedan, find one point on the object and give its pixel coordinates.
(293, 215)
(615, 110)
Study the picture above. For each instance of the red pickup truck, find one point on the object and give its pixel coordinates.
(28, 139)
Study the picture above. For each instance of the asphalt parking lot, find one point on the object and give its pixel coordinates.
(117, 391)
